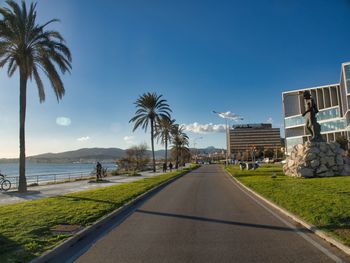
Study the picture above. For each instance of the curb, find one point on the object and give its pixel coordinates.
(310, 227)
(50, 254)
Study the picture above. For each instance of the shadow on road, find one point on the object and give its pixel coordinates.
(219, 221)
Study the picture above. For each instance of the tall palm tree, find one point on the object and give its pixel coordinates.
(150, 109)
(163, 133)
(180, 140)
(28, 47)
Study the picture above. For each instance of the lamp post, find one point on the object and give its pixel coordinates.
(228, 116)
(194, 146)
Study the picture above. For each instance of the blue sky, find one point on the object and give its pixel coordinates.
(233, 56)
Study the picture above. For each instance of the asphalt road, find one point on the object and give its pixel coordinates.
(206, 217)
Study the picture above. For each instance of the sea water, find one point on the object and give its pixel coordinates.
(39, 172)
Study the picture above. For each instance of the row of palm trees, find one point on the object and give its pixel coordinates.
(30, 49)
(153, 110)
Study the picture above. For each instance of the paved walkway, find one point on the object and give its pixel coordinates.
(37, 192)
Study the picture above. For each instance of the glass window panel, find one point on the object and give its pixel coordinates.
(321, 116)
(333, 125)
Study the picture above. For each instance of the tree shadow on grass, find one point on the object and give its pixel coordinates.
(29, 195)
(76, 198)
(11, 251)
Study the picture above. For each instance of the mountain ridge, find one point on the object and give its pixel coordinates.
(93, 155)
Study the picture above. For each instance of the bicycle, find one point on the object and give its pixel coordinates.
(5, 184)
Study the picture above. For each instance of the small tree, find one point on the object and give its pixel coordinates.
(136, 159)
(269, 153)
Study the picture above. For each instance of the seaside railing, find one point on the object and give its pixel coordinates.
(51, 178)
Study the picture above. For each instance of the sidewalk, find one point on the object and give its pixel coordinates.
(37, 192)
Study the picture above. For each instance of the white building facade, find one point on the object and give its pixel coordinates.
(333, 102)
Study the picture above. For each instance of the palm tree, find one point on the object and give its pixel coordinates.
(28, 47)
(163, 133)
(150, 109)
(180, 141)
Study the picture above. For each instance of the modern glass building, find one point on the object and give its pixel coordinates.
(333, 102)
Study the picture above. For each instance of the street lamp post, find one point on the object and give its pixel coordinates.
(194, 146)
(228, 116)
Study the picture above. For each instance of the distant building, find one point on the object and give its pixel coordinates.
(243, 138)
(333, 102)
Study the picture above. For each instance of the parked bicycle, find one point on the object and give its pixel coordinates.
(5, 184)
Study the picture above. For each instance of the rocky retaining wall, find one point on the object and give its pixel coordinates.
(316, 159)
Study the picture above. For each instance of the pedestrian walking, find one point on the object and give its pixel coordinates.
(170, 167)
(98, 171)
(164, 167)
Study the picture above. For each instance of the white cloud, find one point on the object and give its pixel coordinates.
(204, 128)
(129, 139)
(269, 120)
(63, 121)
(83, 139)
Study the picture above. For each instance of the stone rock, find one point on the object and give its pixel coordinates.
(314, 150)
(322, 154)
(316, 159)
(333, 146)
(346, 170)
(306, 172)
(323, 147)
(290, 163)
(346, 160)
(330, 161)
(330, 153)
(323, 160)
(321, 169)
(326, 174)
(340, 151)
(339, 160)
(310, 156)
(314, 163)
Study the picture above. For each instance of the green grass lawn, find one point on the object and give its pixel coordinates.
(25, 227)
(323, 202)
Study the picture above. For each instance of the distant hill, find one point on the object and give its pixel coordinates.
(93, 155)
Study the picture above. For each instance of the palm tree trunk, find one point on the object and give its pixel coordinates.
(152, 143)
(177, 157)
(22, 185)
(166, 150)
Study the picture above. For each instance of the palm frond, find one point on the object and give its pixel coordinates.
(28, 46)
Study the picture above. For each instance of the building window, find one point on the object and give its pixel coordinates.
(333, 125)
(294, 121)
(321, 116)
(328, 114)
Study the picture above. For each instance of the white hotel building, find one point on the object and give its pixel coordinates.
(333, 102)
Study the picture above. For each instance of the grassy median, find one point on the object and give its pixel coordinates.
(25, 228)
(323, 202)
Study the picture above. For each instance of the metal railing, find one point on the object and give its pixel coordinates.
(51, 178)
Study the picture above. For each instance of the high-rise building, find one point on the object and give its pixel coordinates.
(243, 138)
(333, 102)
